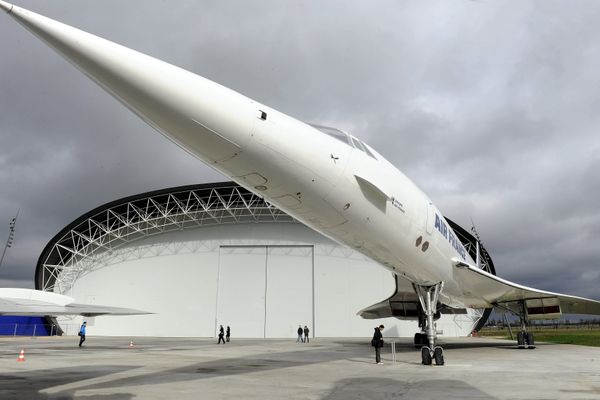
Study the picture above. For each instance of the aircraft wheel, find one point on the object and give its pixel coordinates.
(521, 340)
(438, 356)
(425, 356)
(530, 341)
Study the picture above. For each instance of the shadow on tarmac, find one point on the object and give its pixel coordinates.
(27, 385)
(226, 367)
(387, 389)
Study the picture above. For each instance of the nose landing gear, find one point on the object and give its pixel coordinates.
(428, 297)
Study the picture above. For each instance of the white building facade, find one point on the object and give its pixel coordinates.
(202, 256)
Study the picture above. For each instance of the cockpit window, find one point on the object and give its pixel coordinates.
(358, 144)
(344, 137)
(369, 152)
(361, 146)
(334, 133)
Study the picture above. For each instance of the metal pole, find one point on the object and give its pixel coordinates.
(430, 323)
(312, 250)
(509, 328)
(4, 252)
(34, 328)
(11, 236)
(15, 332)
(394, 352)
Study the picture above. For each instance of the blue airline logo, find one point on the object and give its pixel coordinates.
(446, 232)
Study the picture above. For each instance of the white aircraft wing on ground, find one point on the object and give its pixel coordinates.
(16, 301)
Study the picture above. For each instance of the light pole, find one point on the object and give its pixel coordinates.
(11, 237)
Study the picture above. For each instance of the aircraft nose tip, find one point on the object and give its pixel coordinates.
(6, 6)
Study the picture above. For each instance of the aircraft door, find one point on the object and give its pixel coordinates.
(430, 218)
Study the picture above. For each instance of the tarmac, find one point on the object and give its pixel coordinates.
(106, 368)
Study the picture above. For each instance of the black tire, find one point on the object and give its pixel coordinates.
(521, 339)
(530, 341)
(425, 356)
(438, 355)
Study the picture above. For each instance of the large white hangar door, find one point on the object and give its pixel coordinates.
(241, 293)
(289, 290)
(265, 291)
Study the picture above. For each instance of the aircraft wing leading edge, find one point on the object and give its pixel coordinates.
(497, 292)
(486, 290)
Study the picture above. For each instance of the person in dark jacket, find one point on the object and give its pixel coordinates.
(306, 330)
(221, 334)
(227, 333)
(300, 331)
(82, 333)
(377, 342)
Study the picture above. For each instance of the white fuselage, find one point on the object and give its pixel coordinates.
(357, 199)
(348, 195)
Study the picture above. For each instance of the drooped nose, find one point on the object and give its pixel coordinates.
(5, 6)
(205, 118)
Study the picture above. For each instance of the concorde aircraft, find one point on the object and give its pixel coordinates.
(326, 178)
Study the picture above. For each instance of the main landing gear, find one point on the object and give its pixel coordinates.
(428, 297)
(525, 340)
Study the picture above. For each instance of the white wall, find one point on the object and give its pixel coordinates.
(241, 299)
(179, 289)
(290, 290)
(195, 280)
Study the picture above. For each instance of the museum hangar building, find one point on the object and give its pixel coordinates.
(201, 256)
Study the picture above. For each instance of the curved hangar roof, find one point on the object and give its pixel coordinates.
(75, 248)
(122, 221)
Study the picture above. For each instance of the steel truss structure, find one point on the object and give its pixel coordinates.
(471, 242)
(91, 239)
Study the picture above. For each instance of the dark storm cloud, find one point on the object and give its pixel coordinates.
(491, 107)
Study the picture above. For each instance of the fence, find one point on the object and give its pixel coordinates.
(21, 329)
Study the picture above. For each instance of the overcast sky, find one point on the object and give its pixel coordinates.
(491, 107)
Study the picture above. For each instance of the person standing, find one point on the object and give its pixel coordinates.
(306, 334)
(82, 333)
(300, 331)
(221, 334)
(227, 333)
(377, 342)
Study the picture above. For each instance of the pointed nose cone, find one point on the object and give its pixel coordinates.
(207, 119)
(5, 6)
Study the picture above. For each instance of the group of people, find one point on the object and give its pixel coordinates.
(301, 332)
(224, 335)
